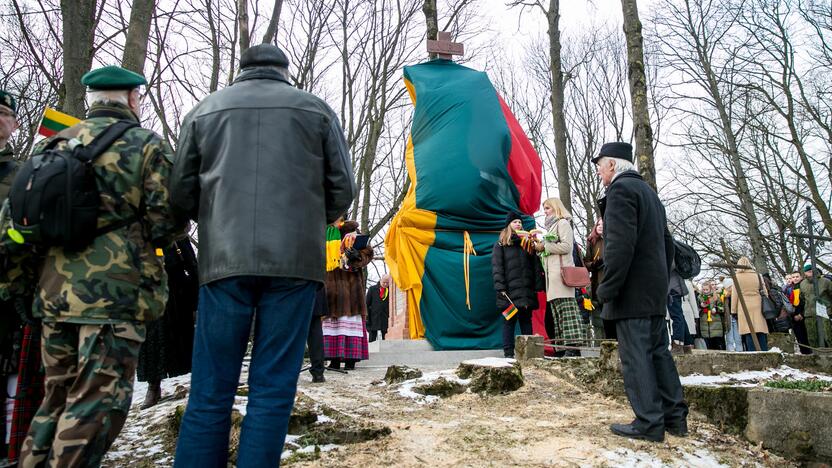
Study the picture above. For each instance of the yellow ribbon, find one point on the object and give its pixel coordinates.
(467, 251)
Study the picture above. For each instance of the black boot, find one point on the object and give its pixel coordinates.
(349, 364)
(154, 393)
(334, 364)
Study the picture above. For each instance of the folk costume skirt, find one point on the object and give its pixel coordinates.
(345, 338)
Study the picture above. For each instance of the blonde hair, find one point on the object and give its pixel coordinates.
(558, 208)
(505, 235)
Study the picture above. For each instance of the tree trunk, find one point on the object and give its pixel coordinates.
(432, 21)
(638, 93)
(215, 48)
(242, 15)
(78, 33)
(138, 33)
(558, 119)
(271, 29)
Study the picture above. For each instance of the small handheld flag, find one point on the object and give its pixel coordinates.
(510, 310)
(54, 121)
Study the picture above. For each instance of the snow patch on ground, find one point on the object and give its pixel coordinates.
(628, 458)
(751, 378)
(406, 388)
(491, 362)
(323, 419)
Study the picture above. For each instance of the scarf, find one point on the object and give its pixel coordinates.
(550, 222)
(333, 248)
(383, 292)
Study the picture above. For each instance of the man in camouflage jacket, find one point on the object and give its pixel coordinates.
(94, 302)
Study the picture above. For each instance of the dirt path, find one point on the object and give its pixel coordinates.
(548, 422)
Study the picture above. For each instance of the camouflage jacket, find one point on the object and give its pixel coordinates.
(807, 295)
(119, 277)
(8, 169)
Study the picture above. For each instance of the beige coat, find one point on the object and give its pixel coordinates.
(749, 282)
(560, 253)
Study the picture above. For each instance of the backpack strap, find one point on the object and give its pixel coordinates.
(104, 140)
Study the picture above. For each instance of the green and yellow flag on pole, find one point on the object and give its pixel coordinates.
(54, 121)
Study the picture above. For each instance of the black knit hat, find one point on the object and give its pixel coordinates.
(511, 216)
(616, 149)
(263, 55)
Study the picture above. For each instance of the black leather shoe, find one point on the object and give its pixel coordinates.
(318, 379)
(627, 430)
(678, 430)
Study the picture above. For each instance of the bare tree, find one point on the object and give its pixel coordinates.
(138, 33)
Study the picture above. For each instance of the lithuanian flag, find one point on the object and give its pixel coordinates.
(54, 121)
(509, 312)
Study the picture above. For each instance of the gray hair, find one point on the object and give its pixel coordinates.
(120, 96)
(621, 165)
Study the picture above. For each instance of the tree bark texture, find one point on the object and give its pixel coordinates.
(271, 29)
(138, 33)
(432, 21)
(242, 15)
(78, 18)
(638, 93)
(558, 119)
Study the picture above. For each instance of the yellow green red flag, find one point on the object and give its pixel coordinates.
(54, 121)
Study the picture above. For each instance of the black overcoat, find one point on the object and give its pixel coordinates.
(638, 250)
(518, 273)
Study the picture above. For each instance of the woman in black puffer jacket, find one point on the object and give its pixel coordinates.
(518, 276)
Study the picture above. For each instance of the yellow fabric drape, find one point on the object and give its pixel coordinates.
(467, 251)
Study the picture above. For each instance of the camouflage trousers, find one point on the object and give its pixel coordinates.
(89, 388)
(812, 331)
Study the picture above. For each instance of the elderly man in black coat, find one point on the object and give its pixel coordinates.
(638, 253)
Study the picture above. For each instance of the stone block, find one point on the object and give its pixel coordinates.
(528, 347)
(783, 341)
(815, 363)
(726, 407)
(793, 423)
(397, 374)
(492, 376)
(715, 363)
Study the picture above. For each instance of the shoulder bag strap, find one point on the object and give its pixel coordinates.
(104, 140)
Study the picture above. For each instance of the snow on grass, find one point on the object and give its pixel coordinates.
(491, 362)
(751, 378)
(406, 387)
(701, 459)
(626, 458)
(323, 419)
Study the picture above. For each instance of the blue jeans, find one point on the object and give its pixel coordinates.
(732, 338)
(679, 332)
(749, 343)
(226, 311)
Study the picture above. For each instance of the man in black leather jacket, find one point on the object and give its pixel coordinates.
(263, 167)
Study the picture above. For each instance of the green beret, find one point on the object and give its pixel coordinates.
(807, 267)
(7, 100)
(112, 78)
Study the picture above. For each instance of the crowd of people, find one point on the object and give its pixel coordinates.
(82, 315)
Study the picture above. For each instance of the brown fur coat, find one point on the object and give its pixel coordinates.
(345, 289)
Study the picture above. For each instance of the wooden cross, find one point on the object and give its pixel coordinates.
(444, 48)
(812, 237)
(732, 270)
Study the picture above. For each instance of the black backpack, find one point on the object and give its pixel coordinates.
(54, 199)
(688, 263)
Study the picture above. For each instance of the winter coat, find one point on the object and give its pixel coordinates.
(558, 253)
(719, 319)
(807, 295)
(594, 262)
(345, 288)
(638, 250)
(518, 273)
(378, 309)
(8, 169)
(263, 167)
(689, 306)
(749, 283)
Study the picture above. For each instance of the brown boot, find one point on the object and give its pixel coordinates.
(154, 392)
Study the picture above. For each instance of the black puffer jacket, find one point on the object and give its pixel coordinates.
(518, 273)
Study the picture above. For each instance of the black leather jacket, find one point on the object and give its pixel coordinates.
(263, 167)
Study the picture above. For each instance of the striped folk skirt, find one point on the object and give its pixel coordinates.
(345, 338)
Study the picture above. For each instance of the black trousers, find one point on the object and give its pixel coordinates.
(374, 335)
(524, 316)
(801, 335)
(315, 342)
(650, 377)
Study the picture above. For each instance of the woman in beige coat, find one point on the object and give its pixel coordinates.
(749, 282)
(556, 252)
